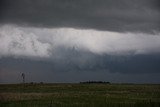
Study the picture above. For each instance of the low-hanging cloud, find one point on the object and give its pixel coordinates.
(46, 42)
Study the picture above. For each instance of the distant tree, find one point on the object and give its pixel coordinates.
(41, 82)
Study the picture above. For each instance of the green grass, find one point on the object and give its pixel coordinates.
(79, 95)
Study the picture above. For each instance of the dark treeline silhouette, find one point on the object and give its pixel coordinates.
(95, 82)
(36, 83)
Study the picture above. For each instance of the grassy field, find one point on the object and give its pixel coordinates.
(79, 95)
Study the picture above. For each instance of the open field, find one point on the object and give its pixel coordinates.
(79, 95)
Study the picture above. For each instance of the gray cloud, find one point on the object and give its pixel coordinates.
(113, 15)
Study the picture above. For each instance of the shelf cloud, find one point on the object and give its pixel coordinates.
(46, 42)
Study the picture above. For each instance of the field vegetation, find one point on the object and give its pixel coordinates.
(79, 95)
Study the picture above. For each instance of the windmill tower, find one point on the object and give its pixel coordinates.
(23, 77)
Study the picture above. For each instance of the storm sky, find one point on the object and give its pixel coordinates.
(80, 40)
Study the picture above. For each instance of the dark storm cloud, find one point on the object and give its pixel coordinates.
(81, 66)
(74, 60)
(86, 61)
(121, 15)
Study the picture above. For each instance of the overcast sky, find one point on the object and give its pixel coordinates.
(80, 40)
